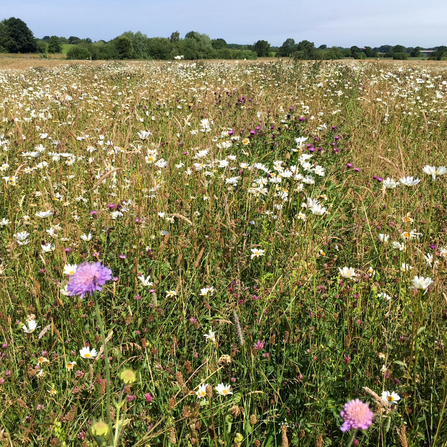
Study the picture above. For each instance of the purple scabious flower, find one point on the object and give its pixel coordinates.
(88, 278)
(356, 414)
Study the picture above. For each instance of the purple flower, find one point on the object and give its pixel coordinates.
(259, 345)
(130, 398)
(356, 414)
(349, 165)
(89, 277)
(148, 397)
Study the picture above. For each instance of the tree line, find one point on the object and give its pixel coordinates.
(16, 37)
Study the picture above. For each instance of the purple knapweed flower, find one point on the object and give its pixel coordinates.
(88, 278)
(148, 397)
(356, 414)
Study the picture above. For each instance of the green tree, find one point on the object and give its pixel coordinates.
(73, 40)
(218, 44)
(175, 37)
(287, 48)
(79, 52)
(439, 54)
(54, 45)
(306, 50)
(42, 47)
(261, 48)
(123, 47)
(416, 52)
(159, 48)
(139, 44)
(16, 37)
(398, 49)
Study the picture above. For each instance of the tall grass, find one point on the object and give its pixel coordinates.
(191, 173)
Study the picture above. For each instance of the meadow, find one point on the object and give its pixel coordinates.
(223, 254)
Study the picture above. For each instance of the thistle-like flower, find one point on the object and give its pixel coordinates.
(356, 414)
(88, 278)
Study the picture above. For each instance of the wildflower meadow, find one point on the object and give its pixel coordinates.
(223, 254)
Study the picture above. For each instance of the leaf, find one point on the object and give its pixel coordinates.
(421, 329)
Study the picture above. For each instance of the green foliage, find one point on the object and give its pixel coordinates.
(439, 54)
(218, 44)
(42, 46)
(79, 52)
(16, 37)
(159, 48)
(54, 45)
(287, 48)
(261, 48)
(124, 48)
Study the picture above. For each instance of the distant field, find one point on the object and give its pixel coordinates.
(66, 47)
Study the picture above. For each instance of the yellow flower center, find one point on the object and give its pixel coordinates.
(87, 355)
(390, 398)
(406, 234)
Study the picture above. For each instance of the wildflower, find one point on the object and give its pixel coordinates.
(409, 181)
(88, 278)
(390, 397)
(398, 246)
(421, 283)
(148, 397)
(42, 360)
(256, 253)
(32, 326)
(144, 134)
(429, 259)
(128, 376)
(384, 238)
(390, 183)
(407, 219)
(245, 141)
(223, 390)
(201, 391)
(347, 272)
(87, 353)
(171, 293)
(433, 171)
(259, 345)
(207, 291)
(22, 237)
(70, 365)
(211, 336)
(100, 428)
(47, 248)
(384, 295)
(405, 267)
(225, 358)
(356, 414)
(44, 214)
(70, 269)
(145, 281)
(4, 222)
(52, 391)
(409, 234)
(86, 237)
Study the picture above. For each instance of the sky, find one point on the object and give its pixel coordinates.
(331, 22)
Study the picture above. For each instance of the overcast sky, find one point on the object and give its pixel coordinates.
(331, 22)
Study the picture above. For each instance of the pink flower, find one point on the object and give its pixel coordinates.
(356, 414)
(88, 278)
(148, 397)
(259, 345)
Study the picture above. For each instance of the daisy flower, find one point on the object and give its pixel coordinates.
(392, 397)
(257, 252)
(223, 390)
(87, 353)
(32, 326)
(211, 336)
(347, 272)
(201, 391)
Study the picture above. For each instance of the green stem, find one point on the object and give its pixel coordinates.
(427, 228)
(351, 439)
(106, 359)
